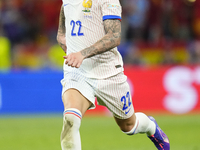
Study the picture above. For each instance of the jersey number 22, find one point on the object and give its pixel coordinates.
(74, 25)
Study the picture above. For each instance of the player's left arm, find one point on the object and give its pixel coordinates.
(111, 39)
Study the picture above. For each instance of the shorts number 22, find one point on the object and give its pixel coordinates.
(127, 102)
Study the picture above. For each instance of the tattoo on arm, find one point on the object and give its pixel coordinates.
(109, 41)
(61, 28)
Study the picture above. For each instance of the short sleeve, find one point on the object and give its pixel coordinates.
(111, 9)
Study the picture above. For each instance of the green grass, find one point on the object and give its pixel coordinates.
(97, 133)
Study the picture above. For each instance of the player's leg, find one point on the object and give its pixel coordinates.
(137, 123)
(140, 123)
(75, 105)
(72, 98)
(77, 96)
(117, 98)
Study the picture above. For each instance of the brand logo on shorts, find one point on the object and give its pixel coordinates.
(126, 112)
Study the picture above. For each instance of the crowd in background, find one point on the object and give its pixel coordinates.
(172, 26)
(154, 32)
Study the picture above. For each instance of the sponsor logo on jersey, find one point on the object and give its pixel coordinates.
(113, 6)
(66, 4)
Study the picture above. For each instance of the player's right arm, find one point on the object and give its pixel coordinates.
(111, 39)
(61, 31)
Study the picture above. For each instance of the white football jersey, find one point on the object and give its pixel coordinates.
(84, 27)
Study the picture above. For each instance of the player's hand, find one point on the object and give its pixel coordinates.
(74, 59)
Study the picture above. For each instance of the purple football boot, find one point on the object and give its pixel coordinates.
(160, 139)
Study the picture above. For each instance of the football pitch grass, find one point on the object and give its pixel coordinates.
(42, 132)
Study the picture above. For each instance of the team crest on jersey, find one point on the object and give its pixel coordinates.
(87, 4)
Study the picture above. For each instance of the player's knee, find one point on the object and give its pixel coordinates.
(129, 128)
(71, 124)
(126, 127)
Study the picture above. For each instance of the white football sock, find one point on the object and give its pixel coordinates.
(70, 136)
(143, 125)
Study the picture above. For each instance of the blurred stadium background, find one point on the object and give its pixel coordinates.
(161, 51)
